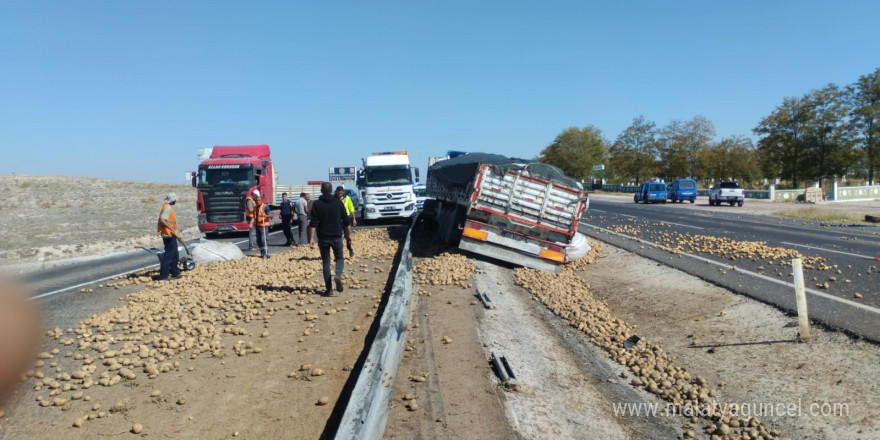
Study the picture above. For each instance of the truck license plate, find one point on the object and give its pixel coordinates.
(388, 208)
(513, 236)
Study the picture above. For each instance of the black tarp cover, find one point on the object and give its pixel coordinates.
(458, 171)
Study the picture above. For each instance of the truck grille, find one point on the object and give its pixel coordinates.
(397, 197)
(224, 209)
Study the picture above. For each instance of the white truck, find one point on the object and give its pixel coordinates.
(729, 192)
(386, 184)
(518, 211)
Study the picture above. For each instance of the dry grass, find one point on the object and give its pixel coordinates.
(822, 214)
(84, 216)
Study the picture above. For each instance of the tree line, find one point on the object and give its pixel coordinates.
(828, 132)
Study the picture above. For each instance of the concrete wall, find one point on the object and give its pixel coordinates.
(843, 193)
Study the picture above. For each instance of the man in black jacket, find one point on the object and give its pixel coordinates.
(328, 218)
(286, 218)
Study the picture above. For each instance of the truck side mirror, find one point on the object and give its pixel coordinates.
(417, 175)
(192, 176)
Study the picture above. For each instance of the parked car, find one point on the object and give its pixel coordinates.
(652, 192)
(729, 192)
(682, 189)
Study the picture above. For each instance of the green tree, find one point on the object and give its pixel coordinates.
(634, 154)
(681, 143)
(827, 131)
(733, 158)
(575, 150)
(865, 117)
(782, 143)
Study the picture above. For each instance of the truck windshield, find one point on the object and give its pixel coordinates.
(236, 177)
(420, 192)
(387, 175)
(657, 187)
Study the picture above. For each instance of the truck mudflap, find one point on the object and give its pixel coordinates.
(511, 247)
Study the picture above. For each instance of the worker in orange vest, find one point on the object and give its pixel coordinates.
(249, 216)
(262, 220)
(167, 228)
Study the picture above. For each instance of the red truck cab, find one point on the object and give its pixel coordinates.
(224, 181)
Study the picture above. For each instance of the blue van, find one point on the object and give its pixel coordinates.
(682, 189)
(652, 192)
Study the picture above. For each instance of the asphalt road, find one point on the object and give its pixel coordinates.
(848, 251)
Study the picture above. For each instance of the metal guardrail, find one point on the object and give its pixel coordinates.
(367, 410)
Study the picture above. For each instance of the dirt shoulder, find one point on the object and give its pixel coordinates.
(245, 349)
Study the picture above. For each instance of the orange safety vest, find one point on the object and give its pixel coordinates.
(248, 212)
(172, 220)
(262, 218)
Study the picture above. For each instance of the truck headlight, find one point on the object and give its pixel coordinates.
(409, 207)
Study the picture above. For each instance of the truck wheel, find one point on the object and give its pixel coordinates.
(739, 203)
(635, 200)
(691, 200)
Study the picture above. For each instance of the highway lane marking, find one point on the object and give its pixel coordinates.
(747, 272)
(679, 224)
(828, 250)
(43, 295)
(90, 282)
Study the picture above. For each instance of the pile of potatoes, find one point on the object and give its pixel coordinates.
(443, 270)
(169, 322)
(724, 247)
(652, 368)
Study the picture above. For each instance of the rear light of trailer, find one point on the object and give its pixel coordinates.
(552, 255)
(475, 233)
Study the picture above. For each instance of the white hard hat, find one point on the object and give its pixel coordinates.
(257, 193)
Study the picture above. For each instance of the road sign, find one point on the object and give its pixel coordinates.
(598, 167)
(343, 174)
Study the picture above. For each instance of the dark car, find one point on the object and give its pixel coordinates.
(682, 189)
(651, 192)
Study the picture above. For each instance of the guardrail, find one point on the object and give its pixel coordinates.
(367, 410)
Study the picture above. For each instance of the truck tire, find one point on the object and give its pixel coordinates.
(739, 203)
(692, 200)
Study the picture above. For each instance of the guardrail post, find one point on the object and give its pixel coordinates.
(801, 297)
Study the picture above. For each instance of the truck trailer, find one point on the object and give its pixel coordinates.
(225, 179)
(519, 211)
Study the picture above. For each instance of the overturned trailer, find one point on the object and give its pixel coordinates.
(519, 211)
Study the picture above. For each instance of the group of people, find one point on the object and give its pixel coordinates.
(323, 222)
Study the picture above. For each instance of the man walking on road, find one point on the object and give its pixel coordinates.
(349, 211)
(328, 219)
(249, 207)
(286, 218)
(302, 217)
(262, 220)
(167, 228)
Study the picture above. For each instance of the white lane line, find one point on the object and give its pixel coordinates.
(828, 250)
(43, 295)
(748, 272)
(597, 210)
(630, 216)
(679, 224)
(90, 282)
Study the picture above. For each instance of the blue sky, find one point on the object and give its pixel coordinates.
(132, 89)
